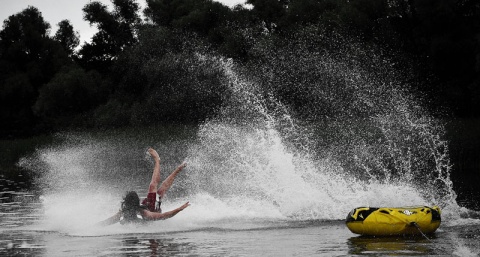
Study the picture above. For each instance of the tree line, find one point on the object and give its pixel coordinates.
(140, 69)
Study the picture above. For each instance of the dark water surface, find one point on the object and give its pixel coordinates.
(23, 234)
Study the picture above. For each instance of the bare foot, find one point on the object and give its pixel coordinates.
(180, 167)
(154, 154)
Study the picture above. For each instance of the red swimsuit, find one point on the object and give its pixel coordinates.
(151, 203)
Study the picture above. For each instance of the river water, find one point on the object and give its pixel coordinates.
(24, 232)
(82, 179)
(262, 179)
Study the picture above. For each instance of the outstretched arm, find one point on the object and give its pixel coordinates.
(112, 220)
(162, 216)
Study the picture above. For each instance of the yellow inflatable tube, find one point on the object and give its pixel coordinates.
(386, 221)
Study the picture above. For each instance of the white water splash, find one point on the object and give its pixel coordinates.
(235, 156)
(253, 161)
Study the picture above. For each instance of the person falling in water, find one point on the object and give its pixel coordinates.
(149, 209)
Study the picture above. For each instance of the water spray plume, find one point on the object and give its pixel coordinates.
(309, 135)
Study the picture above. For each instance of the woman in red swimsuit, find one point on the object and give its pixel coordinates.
(149, 209)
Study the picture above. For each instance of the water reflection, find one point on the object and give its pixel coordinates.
(21, 243)
(134, 246)
(18, 209)
(363, 245)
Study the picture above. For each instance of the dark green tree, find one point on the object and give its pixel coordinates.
(224, 28)
(155, 84)
(164, 12)
(116, 31)
(28, 59)
(443, 35)
(67, 37)
(70, 95)
(304, 12)
(23, 38)
(269, 12)
(204, 17)
(200, 16)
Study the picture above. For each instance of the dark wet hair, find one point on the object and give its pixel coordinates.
(130, 206)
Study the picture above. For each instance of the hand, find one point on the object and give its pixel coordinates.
(185, 205)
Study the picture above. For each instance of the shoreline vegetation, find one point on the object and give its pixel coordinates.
(138, 70)
(51, 83)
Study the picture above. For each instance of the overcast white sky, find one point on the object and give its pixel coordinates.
(54, 11)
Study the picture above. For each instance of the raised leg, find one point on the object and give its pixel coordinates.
(152, 188)
(167, 183)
